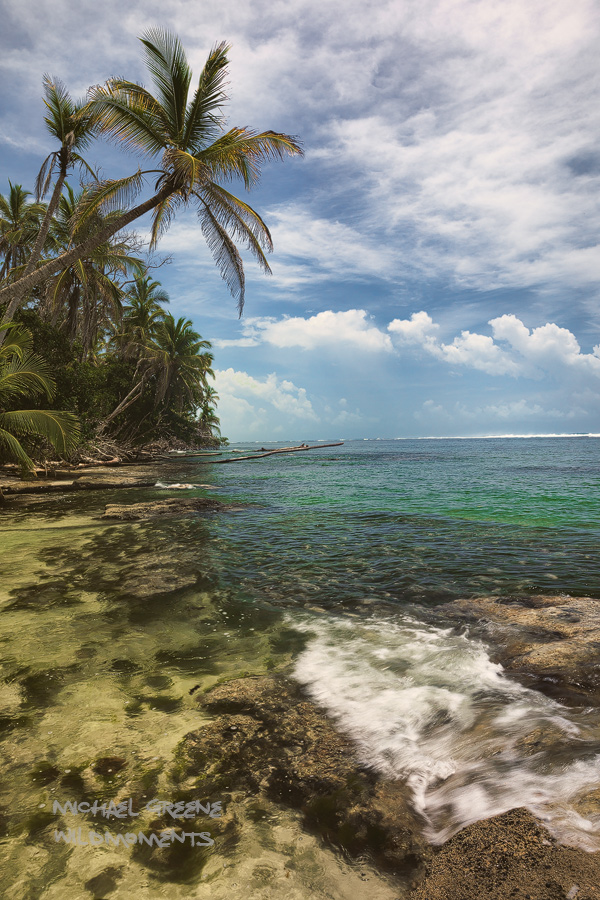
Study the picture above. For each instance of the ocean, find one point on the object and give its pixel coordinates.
(333, 565)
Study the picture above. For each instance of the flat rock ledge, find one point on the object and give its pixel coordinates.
(268, 740)
(132, 512)
(550, 643)
(16, 487)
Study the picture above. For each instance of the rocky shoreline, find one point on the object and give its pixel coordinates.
(264, 737)
(550, 643)
(267, 739)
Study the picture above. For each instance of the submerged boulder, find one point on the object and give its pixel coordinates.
(551, 643)
(132, 512)
(268, 739)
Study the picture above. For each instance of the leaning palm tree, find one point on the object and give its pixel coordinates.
(181, 361)
(24, 374)
(209, 421)
(178, 363)
(183, 133)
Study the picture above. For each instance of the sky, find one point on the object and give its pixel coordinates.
(436, 264)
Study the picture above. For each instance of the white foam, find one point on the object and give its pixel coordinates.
(430, 707)
(175, 487)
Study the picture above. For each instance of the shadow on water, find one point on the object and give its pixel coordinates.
(107, 635)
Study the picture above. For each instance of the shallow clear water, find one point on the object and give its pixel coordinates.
(325, 562)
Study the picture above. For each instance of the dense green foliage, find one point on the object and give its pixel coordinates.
(74, 288)
(24, 375)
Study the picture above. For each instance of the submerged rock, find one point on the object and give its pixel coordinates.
(510, 857)
(268, 739)
(156, 578)
(174, 507)
(551, 643)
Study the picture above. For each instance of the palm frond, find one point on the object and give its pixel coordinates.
(18, 340)
(240, 152)
(171, 74)
(26, 375)
(161, 218)
(68, 120)
(240, 220)
(130, 115)
(14, 449)
(81, 162)
(44, 176)
(107, 196)
(202, 120)
(61, 429)
(225, 255)
(60, 107)
(187, 172)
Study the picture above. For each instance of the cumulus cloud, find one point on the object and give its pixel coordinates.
(247, 391)
(347, 329)
(419, 329)
(511, 350)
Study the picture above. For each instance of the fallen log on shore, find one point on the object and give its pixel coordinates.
(299, 449)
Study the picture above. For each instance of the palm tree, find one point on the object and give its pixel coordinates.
(177, 360)
(24, 374)
(185, 135)
(19, 226)
(141, 316)
(88, 294)
(209, 421)
(181, 362)
(71, 123)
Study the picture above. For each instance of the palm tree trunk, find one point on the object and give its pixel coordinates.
(43, 233)
(133, 395)
(15, 292)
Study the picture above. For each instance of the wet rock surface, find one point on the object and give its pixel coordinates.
(132, 512)
(268, 739)
(550, 643)
(98, 482)
(510, 857)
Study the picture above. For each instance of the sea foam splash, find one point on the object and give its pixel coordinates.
(428, 706)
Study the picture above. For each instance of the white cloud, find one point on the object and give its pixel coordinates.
(419, 329)
(546, 346)
(333, 330)
(512, 350)
(520, 410)
(279, 394)
(311, 248)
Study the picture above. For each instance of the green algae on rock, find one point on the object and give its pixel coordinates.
(268, 739)
(510, 857)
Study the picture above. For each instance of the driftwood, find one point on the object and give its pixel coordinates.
(299, 449)
(200, 454)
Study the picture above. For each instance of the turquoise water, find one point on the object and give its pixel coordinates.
(416, 521)
(326, 565)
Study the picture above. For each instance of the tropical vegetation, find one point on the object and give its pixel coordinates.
(24, 374)
(78, 296)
